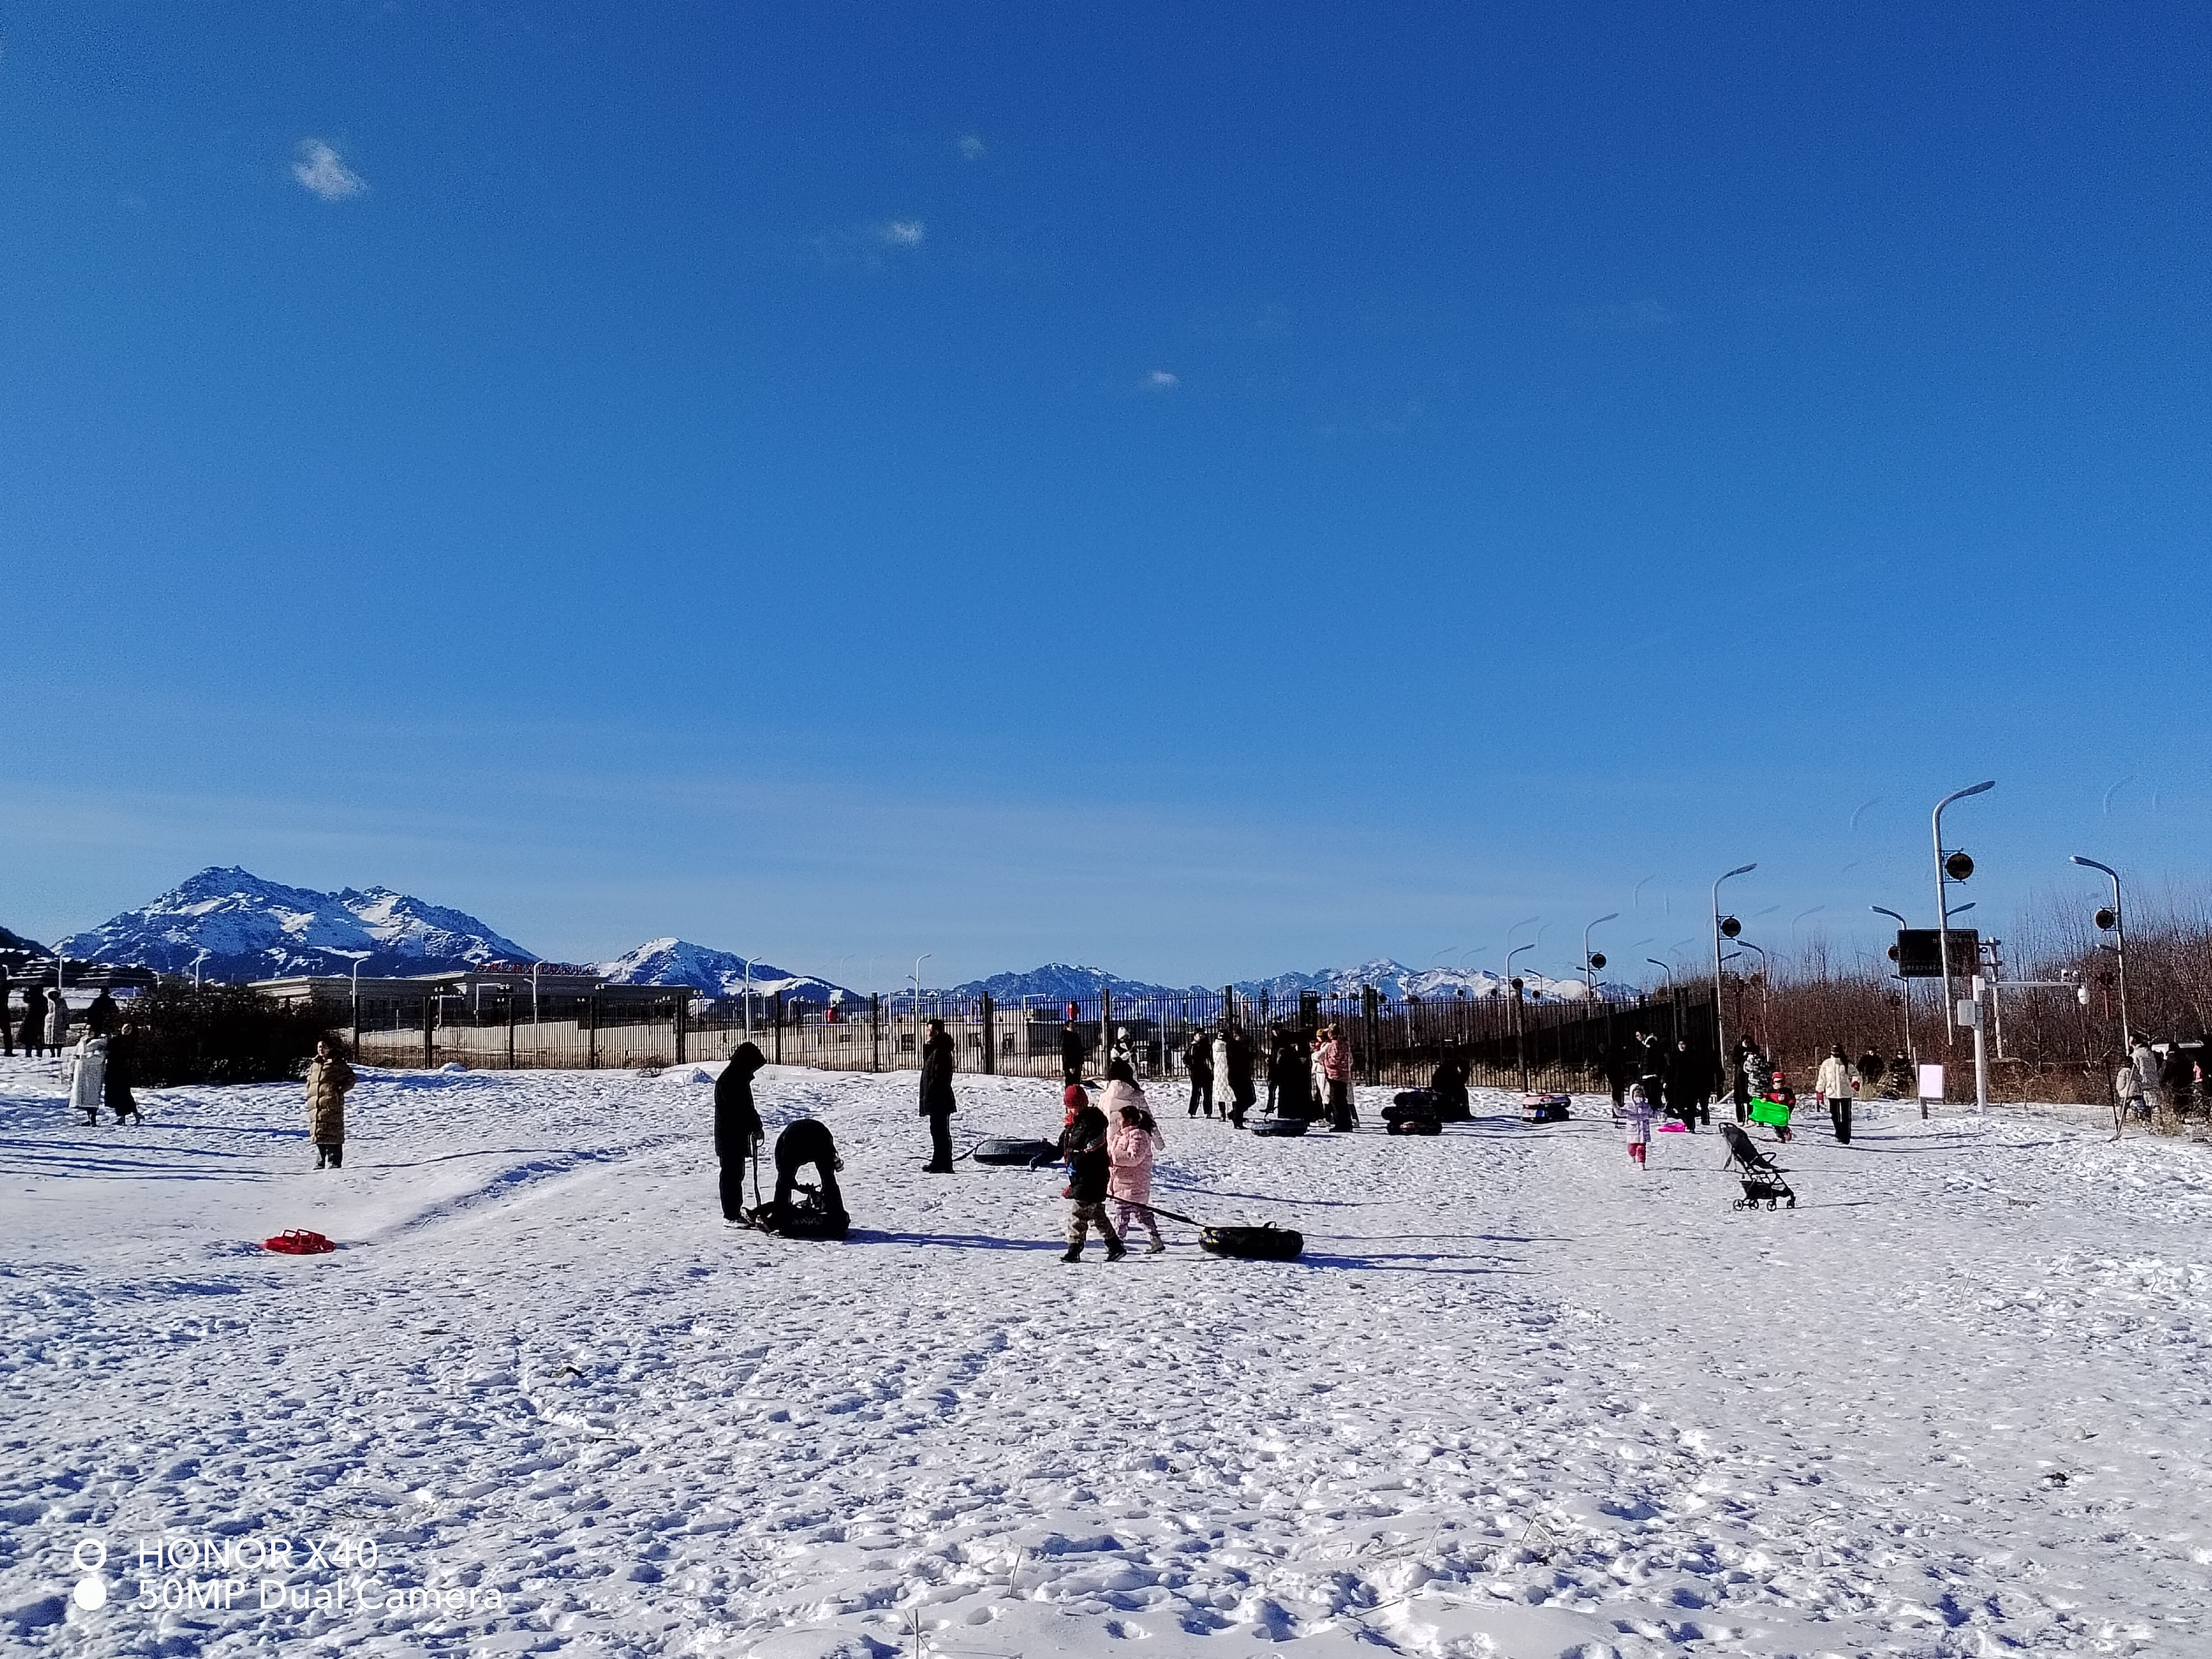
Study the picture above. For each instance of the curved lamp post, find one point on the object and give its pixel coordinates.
(1589, 974)
(1943, 899)
(1720, 1017)
(2120, 937)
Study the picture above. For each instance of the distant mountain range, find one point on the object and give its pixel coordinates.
(232, 925)
(718, 973)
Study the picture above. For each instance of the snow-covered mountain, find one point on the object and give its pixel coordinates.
(1396, 981)
(1060, 980)
(717, 973)
(13, 941)
(1057, 981)
(234, 925)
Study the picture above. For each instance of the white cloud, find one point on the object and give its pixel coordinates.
(319, 171)
(1161, 379)
(904, 233)
(971, 148)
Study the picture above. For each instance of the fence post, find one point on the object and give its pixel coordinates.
(1105, 1027)
(776, 1010)
(683, 1019)
(430, 1033)
(1367, 1016)
(510, 1028)
(593, 1062)
(990, 1039)
(875, 1031)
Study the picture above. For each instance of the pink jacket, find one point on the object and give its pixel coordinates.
(1130, 1149)
(1335, 1060)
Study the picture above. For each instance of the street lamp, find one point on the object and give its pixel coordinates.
(749, 962)
(1943, 898)
(1765, 992)
(1589, 971)
(2120, 937)
(918, 961)
(1665, 969)
(1720, 1017)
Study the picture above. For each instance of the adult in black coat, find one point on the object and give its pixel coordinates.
(1073, 1050)
(105, 1014)
(122, 1073)
(804, 1141)
(1447, 1087)
(1242, 1094)
(34, 1021)
(937, 1104)
(1198, 1058)
(2176, 1078)
(737, 1125)
(1289, 1075)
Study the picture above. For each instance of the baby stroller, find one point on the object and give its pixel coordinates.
(1763, 1178)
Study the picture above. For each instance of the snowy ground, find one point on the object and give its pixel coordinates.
(1517, 1399)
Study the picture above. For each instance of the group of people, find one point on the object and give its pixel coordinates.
(1308, 1078)
(2157, 1074)
(1838, 1084)
(1109, 1149)
(44, 1027)
(101, 1067)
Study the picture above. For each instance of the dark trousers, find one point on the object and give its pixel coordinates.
(1244, 1096)
(786, 1177)
(1839, 1113)
(733, 1189)
(1201, 1093)
(331, 1152)
(940, 1141)
(1340, 1103)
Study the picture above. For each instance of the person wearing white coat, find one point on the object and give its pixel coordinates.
(56, 1021)
(1636, 1122)
(1832, 1083)
(87, 1069)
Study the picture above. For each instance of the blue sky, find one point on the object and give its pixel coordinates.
(1203, 489)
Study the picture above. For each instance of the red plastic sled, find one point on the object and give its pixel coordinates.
(299, 1242)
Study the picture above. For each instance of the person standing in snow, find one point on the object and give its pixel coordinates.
(1132, 1137)
(1636, 1122)
(937, 1104)
(88, 1076)
(2177, 1081)
(2145, 1061)
(104, 1016)
(2128, 1092)
(7, 1025)
(122, 1073)
(34, 1028)
(1335, 1056)
(737, 1125)
(1223, 1094)
(1242, 1091)
(1832, 1084)
(57, 1020)
(329, 1080)
(1073, 1050)
(1090, 1167)
(1198, 1060)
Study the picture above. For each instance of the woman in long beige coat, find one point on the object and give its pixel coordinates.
(329, 1078)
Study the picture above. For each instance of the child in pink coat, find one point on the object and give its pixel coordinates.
(1636, 1122)
(1132, 1137)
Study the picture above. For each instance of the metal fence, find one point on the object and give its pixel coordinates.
(1507, 1041)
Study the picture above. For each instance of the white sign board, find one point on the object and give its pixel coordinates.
(1931, 1082)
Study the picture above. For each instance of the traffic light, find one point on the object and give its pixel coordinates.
(1892, 953)
(2106, 918)
(1730, 927)
(1958, 866)
(1597, 958)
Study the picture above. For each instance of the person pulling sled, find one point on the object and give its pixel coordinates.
(1090, 1166)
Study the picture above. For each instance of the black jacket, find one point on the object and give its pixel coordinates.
(1073, 1050)
(1240, 1065)
(737, 1121)
(937, 1076)
(1084, 1144)
(104, 1016)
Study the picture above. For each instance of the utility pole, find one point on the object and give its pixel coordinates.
(2120, 946)
(1720, 1016)
(1943, 898)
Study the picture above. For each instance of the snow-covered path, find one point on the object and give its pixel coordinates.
(1516, 1399)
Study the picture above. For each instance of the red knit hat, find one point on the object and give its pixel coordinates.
(1072, 1097)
